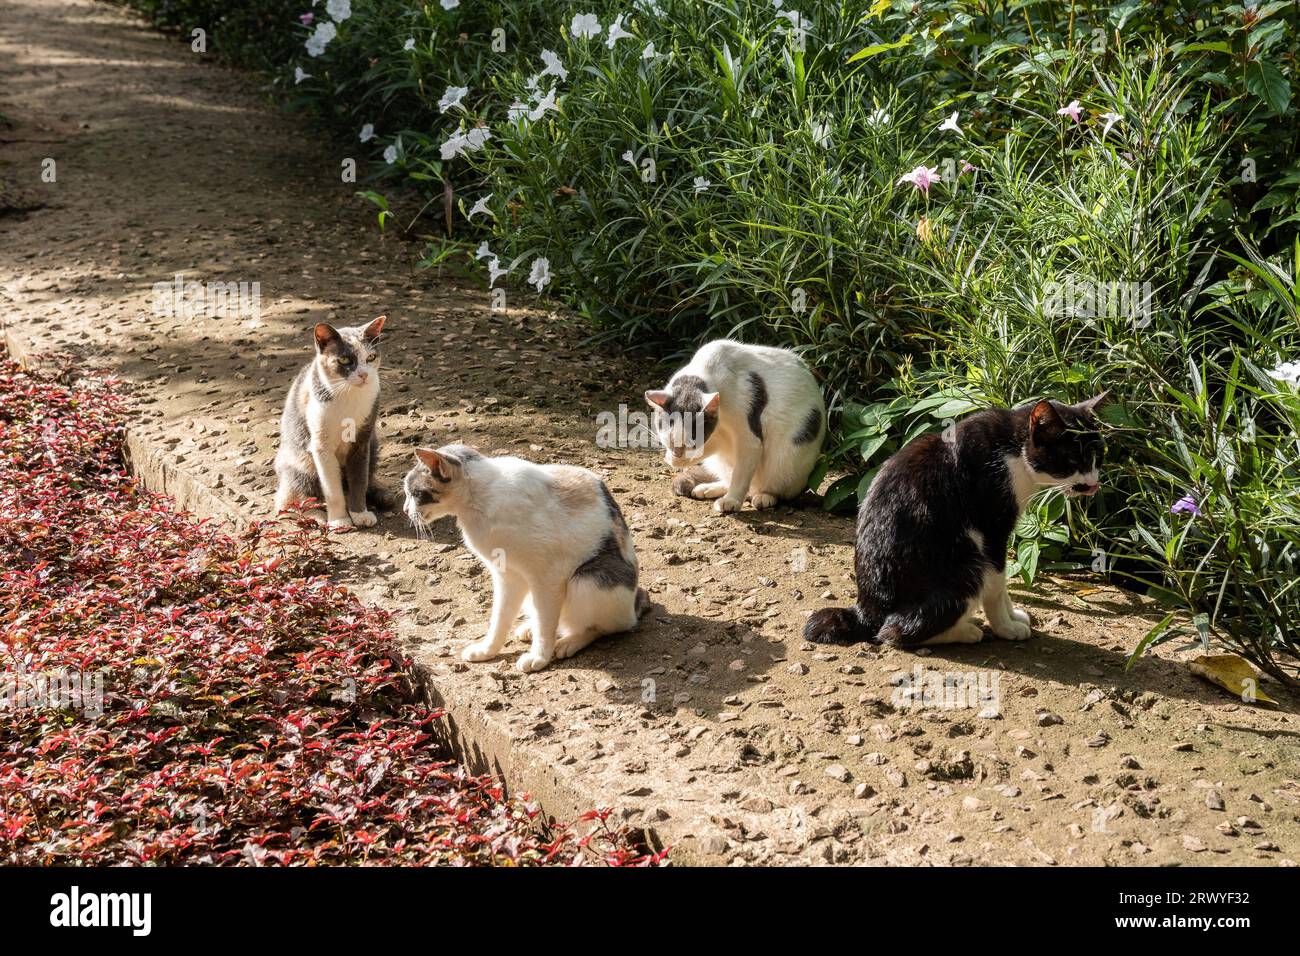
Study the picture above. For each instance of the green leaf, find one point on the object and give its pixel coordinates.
(872, 445)
(1151, 637)
(1266, 81)
(841, 491)
(869, 51)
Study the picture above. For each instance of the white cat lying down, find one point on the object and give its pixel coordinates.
(553, 539)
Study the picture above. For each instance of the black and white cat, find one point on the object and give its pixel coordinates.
(329, 435)
(934, 527)
(745, 421)
(553, 539)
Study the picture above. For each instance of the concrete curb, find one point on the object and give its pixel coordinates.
(477, 741)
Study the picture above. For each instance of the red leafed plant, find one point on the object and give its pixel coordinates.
(233, 705)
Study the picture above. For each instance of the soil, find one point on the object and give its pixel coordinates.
(713, 723)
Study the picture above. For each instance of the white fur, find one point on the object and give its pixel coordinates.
(531, 544)
(333, 427)
(765, 471)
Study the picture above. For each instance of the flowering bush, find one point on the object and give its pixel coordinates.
(942, 205)
(173, 692)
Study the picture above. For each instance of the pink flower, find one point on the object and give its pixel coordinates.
(966, 167)
(922, 178)
(306, 19)
(1071, 111)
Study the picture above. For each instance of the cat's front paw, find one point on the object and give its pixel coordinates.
(364, 519)
(478, 652)
(724, 505)
(709, 489)
(1014, 629)
(336, 523)
(531, 662)
(763, 501)
(1020, 614)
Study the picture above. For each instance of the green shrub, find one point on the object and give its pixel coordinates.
(1116, 208)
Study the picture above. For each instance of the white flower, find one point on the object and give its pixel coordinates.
(627, 157)
(1071, 110)
(547, 102)
(553, 66)
(585, 25)
(367, 133)
(878, 117)
(540, 273)
(450, 4)
(340, 10)
(1111, 119)
(460, 143)
(299, 75)
(821, 132)
(495, 271)
(318, 41)
(409, 44)
(481, 206)
(701, 184)
(796, 22)
(452, 98)
(390, 154)
(483, 251)
(616, 32)
(950, 124)
(649, 52)
(1288, 372)
(517, 111)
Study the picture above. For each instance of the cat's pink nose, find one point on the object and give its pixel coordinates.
(362, 376)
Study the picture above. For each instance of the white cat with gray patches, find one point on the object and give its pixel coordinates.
(553, 539)
(329, 435)
(745, 421)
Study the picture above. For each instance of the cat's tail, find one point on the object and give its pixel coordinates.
(838, 625)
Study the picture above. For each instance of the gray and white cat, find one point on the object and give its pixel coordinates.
(745, 421)
(329, 437)
(553, 539)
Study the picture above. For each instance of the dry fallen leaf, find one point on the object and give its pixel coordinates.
(1233, 674)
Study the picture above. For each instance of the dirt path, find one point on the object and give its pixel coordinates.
(714, 723)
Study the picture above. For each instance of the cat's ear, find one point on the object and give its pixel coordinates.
(436, 463)
(711, 402)
(1045, 421)
(325, 334)
(657, 398)
(1094, 404)
(372, 330)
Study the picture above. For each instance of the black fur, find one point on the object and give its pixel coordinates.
(607, 568)
(917, 566)
(757, 404)
(811, 428)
